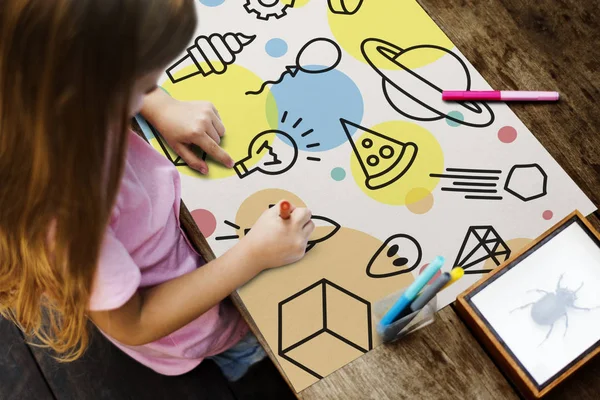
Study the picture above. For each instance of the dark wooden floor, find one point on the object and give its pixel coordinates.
(515, 44)
(105, 373)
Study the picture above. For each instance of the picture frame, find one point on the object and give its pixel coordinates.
(539, 337)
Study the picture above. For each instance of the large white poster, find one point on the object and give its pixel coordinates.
(336, 105)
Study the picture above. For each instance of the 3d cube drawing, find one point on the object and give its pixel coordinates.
(323, 327)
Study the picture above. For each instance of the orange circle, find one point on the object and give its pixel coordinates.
(419, 200)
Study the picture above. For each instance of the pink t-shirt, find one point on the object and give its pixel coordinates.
(145, 246)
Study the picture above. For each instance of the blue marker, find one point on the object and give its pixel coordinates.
(412, 291)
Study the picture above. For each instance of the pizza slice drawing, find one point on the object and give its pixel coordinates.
(383, 159)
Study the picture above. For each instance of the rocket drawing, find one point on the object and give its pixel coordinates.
(209, 54)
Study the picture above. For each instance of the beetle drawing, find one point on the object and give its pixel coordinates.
(552, 306)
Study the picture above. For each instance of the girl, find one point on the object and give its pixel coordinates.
(89, 212)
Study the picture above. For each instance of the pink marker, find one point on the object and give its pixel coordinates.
(498, 95)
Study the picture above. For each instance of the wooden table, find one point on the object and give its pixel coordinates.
(514, 44)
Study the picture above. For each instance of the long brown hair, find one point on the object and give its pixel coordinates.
(66, 71)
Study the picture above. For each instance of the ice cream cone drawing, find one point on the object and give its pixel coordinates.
(209, 54)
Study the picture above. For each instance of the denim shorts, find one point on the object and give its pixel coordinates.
(236, 361)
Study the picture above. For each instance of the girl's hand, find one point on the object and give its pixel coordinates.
(183, 124)
(274, 241)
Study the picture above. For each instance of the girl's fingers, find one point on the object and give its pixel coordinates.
(211, 131)
(308, 228)
(215, 110)
(191, 159)
(218, 125)
(215, 151)
(301, 216)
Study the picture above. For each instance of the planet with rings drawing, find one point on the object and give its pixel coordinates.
(417, 93)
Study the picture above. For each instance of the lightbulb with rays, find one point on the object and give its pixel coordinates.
(276, 149)
(275, 157)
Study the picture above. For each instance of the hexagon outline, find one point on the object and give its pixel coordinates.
(517, 195)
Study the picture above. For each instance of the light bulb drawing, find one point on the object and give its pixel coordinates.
(276, 150)
(317, 56)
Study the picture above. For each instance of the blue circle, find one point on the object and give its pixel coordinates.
(276, 47)
(456, 115)
(320, 100)
(212, 3)
(338, 174)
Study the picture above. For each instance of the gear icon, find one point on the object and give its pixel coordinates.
(265, 9)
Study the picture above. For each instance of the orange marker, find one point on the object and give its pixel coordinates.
(284, 209)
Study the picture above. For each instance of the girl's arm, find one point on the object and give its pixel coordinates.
(158, 311)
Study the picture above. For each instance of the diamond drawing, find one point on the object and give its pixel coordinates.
(481, 243)
(323, 327)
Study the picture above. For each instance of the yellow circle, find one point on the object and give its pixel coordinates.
(402, 23)
(415, 184)
(243, 116)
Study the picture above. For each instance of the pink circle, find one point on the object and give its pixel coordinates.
(547, 215)
(205, 220)
(507, 134)
(437, 274)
